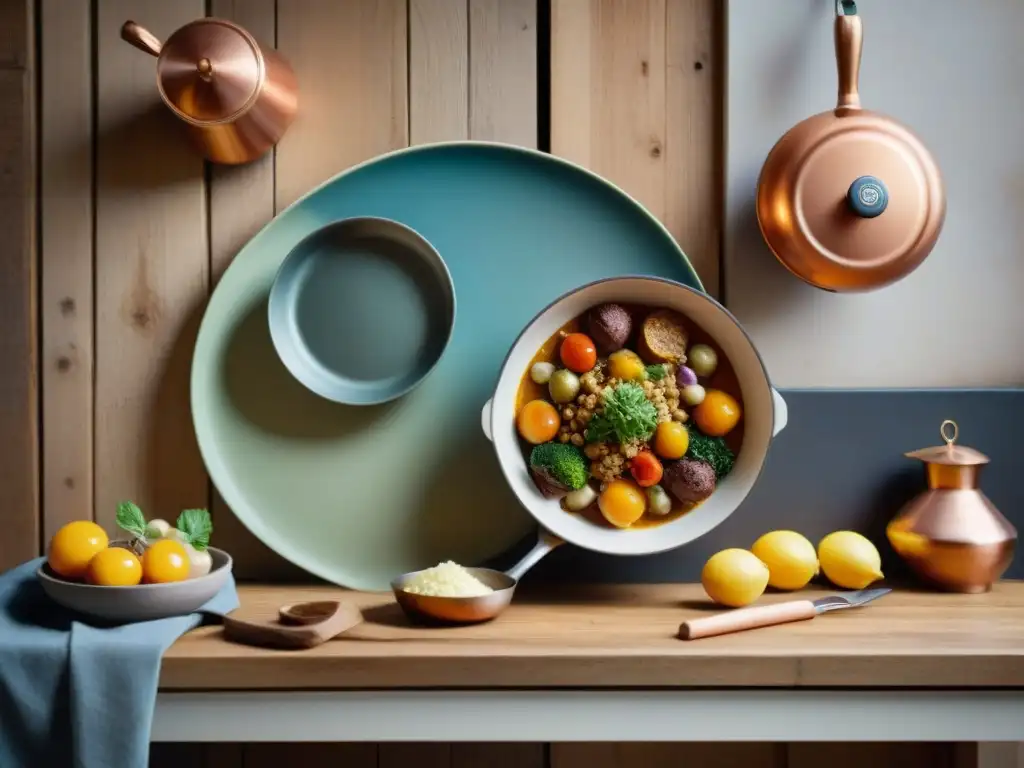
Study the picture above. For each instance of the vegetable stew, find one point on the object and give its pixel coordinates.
(630, 415)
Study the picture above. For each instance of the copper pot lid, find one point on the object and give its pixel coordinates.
(210, 70)
(864, 197)
(950, 454)
(850, 199)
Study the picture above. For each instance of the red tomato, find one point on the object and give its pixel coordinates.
(578, 352)
(646, 469)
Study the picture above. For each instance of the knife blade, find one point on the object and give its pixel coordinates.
(849, 599)
(778, 613)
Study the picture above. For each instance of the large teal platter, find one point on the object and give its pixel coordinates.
(356, 495)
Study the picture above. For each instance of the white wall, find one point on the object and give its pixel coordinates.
(952, 70)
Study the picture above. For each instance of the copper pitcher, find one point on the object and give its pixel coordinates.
(235, 96)
(952, 535)
(850, 199)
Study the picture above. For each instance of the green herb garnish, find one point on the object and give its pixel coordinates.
(627, 415)
(130, 519)
(197, 527)
(711, 450)
(656, 372)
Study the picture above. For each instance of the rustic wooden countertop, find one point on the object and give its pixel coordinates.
(624, 637)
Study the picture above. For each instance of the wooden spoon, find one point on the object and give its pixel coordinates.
(299, 625)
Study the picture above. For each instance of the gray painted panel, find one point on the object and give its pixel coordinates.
(838, 464)
(951, 72)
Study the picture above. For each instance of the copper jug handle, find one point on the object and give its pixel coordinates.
(849, 36)
(141, 38)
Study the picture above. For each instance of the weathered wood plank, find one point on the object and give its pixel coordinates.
(66, 244)
(226, 755)
(351, 62)
(633, 98)
(667, 755)
(413, 755)
(877, 755)
(19, 439)
(438, 70)
(621, 133)
(152, 275)
(15, 43)
(693, 134)
(997, 755)
(274, 755)
(515, 755)
(503, 71)
(163, 755)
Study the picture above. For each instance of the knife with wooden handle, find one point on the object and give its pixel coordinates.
(778, 613)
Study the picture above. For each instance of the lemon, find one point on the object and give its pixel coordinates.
(790, 557)
(849, 560)
(734, 577)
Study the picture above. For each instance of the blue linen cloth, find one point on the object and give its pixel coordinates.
(75, 693)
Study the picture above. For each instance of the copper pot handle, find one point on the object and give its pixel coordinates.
(141, 38)
(849, 34)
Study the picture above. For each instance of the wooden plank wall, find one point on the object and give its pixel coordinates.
(134, 231)
(19, 439)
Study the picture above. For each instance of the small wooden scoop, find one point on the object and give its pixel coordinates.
(299, 625)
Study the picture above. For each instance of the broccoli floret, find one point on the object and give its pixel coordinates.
(565, 463)
(712, 450)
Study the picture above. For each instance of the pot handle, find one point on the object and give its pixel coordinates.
(849, 39)
(485, 420)
(781, 413)
(141, 38)
(546, 542)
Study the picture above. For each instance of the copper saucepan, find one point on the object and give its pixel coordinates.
(235, 96)
(849, 199)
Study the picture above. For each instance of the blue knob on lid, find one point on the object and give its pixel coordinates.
(868, 196)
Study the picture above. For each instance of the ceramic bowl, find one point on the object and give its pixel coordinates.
(143, 602)
(361, 310)
(764, 415)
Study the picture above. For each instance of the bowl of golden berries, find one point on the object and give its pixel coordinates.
(152, 570)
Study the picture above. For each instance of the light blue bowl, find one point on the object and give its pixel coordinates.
(361, 310)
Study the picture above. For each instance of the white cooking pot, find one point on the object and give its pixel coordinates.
(764, 412)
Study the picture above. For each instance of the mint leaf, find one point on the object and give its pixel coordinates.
(130, 519)
(197, 527)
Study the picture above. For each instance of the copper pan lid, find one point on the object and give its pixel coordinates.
(950, 454)
(849, 199)
(210, 71)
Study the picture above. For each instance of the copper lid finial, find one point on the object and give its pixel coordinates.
(949, 453)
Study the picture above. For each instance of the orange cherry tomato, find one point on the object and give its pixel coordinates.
(578, 353)
(646, 469)
(164, 561)
(622, 503)
(538, 422)
(717, 414)
(671, 440)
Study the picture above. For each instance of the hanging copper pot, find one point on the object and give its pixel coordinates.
(849, 199)
(235, 96)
